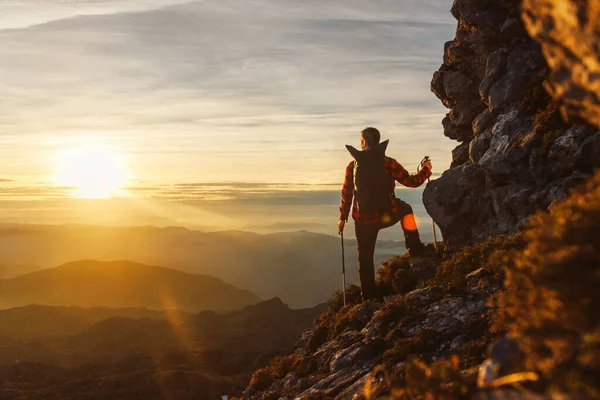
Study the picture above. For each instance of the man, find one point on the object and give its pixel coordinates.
(371, 180)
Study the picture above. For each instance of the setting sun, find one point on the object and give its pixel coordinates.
(93, 172)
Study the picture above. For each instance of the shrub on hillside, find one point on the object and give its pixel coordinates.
(395, 277)
(552, 300)
(353, 297)
(278, 368)
(415, 379)
(452, 272)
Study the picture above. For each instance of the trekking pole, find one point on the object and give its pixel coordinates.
(343, 270)
(432, 221)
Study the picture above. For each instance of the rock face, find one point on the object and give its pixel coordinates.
(517, 155)
(570, 37)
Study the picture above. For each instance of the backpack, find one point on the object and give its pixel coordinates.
(372, 185)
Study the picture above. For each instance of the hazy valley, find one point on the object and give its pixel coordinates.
(66, 352)
(286, 265)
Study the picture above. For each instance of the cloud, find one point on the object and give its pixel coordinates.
(218, 90)
(19, 13)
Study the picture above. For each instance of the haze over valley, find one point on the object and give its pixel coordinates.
(302, 268)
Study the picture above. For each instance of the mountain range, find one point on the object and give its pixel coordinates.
(135, 353)
(270, 265)
(122, 284)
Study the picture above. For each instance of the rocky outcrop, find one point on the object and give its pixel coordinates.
(348, 362)
(349, 346)
(516, 154)
(569, 33)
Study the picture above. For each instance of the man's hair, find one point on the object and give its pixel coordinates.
(371, 136)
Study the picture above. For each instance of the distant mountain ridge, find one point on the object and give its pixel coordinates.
(11, 271)
(121, 284)
(34, 321)
(267, 264)
(103, 353)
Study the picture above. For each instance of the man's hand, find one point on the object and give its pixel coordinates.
(341, 224)
(427, 164)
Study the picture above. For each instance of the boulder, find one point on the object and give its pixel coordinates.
(460, 155)
(587, 156)
(524, 70)
(480, 145)
(355, 355)
(561, 155)
(424, 268)
(425, 296)
(465, 215)
(366, 310)
(484, 121)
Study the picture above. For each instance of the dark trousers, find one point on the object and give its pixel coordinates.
(366, 239)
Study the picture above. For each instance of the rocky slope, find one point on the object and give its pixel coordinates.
(371, 344)
(511, 300)
(516, 154)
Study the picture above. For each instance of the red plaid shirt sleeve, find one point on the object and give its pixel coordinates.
(401, 175)
(347, 192)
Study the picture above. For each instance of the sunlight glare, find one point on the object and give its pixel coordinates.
(93, 172)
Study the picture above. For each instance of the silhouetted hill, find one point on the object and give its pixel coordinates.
(155, 355)
(36, 320)
(264, 264)
(122, 284)
(11, 271)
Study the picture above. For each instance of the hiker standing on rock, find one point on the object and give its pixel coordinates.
(371, 180)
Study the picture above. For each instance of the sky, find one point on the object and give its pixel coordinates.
(229, 114)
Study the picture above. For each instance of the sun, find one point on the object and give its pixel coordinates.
(92, 172)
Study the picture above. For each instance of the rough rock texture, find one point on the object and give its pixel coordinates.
(569, 33)
(517, 155)
(428, 321)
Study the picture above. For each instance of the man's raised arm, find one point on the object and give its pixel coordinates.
(402, 176)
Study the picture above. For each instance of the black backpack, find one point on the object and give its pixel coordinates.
(372, 185)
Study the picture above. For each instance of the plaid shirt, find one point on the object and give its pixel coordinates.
(395, 170)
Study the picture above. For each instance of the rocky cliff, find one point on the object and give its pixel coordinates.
(516, 153)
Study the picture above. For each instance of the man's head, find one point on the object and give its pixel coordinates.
(369, 137)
